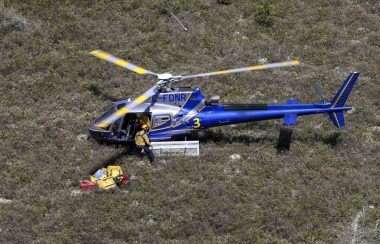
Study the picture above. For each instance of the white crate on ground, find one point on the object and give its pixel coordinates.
(186, 148)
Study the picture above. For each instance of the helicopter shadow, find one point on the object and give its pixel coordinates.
(94, 89)
(221, 138)
(331, 140)
(284, 140)
(283, 144)
(112, 160)
(208, 136)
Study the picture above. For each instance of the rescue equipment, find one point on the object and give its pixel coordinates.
(106, 178)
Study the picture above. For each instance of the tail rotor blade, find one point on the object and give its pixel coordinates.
(244, 69)
(120, 62)
(318, 90)
(128, 108)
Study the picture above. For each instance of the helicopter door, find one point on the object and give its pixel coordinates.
(115, 128)
(125, 128)
(161, 125)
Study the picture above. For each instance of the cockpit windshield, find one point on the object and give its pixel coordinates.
(105, 114)
(119, 106)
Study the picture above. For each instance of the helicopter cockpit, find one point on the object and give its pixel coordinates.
(126, 127)
(107, 113)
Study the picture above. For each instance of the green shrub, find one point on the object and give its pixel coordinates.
(264, 13)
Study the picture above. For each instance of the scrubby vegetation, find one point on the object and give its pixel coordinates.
(325, 189)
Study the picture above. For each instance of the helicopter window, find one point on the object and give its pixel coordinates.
(119, 106)
(160, 120)
(105, 114)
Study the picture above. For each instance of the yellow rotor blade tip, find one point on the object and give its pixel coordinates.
(296, 62)
(95, 51)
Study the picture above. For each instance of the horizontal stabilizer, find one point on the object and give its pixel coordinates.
(290, 119)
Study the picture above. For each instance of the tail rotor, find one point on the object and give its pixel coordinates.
(318, 90)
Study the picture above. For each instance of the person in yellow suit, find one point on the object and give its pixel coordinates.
(144, 119)
(143, 143)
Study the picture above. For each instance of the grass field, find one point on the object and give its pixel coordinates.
(325, 189)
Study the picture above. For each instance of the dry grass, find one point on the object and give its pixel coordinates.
(50, 89)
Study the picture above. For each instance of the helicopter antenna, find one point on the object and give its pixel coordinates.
(179, 22)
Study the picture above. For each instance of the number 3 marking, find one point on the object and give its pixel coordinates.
(197, 123)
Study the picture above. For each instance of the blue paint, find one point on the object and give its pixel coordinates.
(290, 119)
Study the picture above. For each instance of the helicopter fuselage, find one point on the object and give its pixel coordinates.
(179, 112)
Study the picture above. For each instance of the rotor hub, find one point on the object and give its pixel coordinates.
(165, 76)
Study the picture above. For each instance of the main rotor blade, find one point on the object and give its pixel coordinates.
(245, 69)
(127, 108)
(120, 62)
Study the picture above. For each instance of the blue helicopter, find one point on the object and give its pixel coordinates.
(174, 113)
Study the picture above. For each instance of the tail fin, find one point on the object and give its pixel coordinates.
(338, 119)
(340, 99)
(341, 96)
